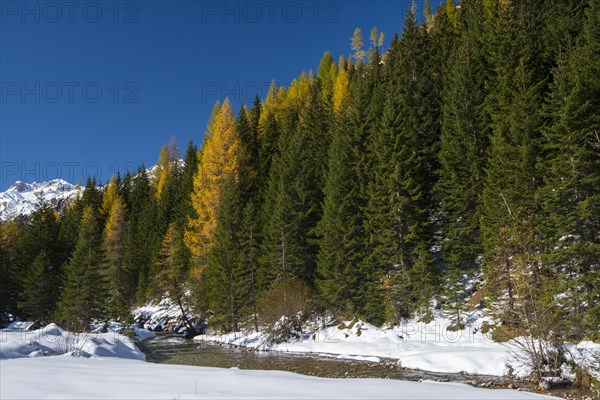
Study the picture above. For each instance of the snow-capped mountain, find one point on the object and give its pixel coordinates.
(21, 198)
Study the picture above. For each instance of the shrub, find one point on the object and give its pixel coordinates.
(284, 309)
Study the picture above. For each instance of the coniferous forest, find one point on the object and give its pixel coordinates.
(456, 161)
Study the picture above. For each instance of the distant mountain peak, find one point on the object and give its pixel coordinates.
(21, 198)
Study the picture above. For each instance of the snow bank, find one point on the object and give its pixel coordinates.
(19, 326)
(586, 354)
(76, 378)
(416, 345)
(162, 316)
(52, 340)
(140, 333)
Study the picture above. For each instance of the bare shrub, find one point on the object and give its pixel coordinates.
(284, 309)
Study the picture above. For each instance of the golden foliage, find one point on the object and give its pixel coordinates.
(341, 91)
(110, 195)
(218, 163)
(163, 169)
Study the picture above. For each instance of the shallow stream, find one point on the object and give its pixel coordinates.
(174, 349)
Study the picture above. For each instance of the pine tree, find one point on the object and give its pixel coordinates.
(270, 133)
(335, 259)
(39, 290)
(341, 90)
(142, 238)
(11, 270)
(219, 160)
(356, 43)
(570, 195)
(403, 174)
(111, 193)
(162, 171)
(114, 246)
(172, 271)
(294, 196)
(42, 236)
(183, 205)
(249, 242)
(327, 75)
(83, 299)
(463, 151)
(223, 270)
(511, 177)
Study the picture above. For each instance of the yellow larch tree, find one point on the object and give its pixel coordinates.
(111, 193)
(162, 171)
(218, 163)
(274, 103)
(341, 90)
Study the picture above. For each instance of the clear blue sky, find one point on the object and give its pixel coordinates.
(89, 87)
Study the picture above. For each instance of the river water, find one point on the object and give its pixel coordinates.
(174, 349)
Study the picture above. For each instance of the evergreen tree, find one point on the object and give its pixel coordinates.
(400, 193)
(511, 177)
(114, 246)
(172, 271)
(142, 238)
(11, 270)
(83, 299)
(335, 264)
(294, 196)
(224, 263)
(270, 133)
(219, 160)
(570, 195)
(183, 204)
(39, 290)
(463, 151)
(162, 171)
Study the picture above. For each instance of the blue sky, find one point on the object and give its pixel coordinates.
(92, 87)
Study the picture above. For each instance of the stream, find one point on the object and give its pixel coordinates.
(174, 349)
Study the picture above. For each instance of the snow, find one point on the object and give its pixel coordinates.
(586, 354)
(52, 340)
(140, 333)
(19, 326)
(162, 315)
(51, 363)
(416, 345)
(67, 377)
(21, 198)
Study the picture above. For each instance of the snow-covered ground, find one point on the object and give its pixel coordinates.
(52, 340)
(164, 315)
(51, 363)
(66, 377)
(417, 345)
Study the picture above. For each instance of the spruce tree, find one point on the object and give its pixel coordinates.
(403, 174)
(114, 246)
(172, 269)
(463, 151)
(39, 290)
(11, 268)
(83, 298)
(511, 177)
(222, 276)
(570, 194)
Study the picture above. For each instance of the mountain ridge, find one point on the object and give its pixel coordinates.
(21, 198)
